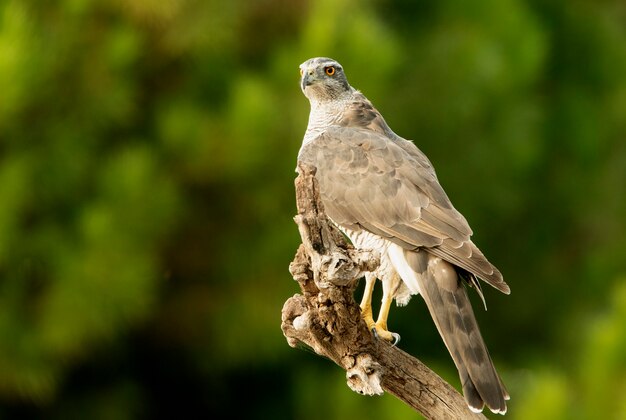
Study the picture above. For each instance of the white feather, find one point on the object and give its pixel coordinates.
(409, 277)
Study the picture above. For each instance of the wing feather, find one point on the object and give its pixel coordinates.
(389, 188)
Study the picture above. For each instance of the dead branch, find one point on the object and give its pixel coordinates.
(326, 317)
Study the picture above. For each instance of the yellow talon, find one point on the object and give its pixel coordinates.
(378, 328)
(366, 302)
(379, 332)
(366, 315)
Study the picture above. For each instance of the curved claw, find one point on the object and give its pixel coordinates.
(394, 338)
(375, 333)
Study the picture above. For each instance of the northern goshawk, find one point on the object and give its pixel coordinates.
(383, 193)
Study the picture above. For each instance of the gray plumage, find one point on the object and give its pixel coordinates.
(382, 191)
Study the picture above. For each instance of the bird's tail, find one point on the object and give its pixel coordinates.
(449, 305)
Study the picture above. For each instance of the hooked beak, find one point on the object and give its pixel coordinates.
(307, 80)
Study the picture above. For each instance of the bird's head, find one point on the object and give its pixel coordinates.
(322, 79)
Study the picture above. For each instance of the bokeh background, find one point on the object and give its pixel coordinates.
(147, 155)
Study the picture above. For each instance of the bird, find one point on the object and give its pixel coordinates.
(382, 192)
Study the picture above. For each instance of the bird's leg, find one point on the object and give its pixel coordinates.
(381, 323)
(366, 301)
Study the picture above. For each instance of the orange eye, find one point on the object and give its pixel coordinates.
(330, 70)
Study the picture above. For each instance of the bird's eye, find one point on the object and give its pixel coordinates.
(301, 72)
(330, 70)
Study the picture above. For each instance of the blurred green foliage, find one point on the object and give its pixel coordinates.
(147, 151)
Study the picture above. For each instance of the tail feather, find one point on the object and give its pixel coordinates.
(449, 305)
(473, 398)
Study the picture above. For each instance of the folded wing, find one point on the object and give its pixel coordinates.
(370, 182)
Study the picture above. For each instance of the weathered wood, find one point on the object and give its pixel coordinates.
(326, 318)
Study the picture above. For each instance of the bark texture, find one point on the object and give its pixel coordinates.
(326, 318)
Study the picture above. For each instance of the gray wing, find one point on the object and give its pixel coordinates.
(369, 182)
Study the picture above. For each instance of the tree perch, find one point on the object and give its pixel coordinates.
(326, 317)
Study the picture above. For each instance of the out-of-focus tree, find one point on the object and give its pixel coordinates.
(594, 388)
(147, 151)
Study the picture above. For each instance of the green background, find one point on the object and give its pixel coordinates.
(147, 155)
